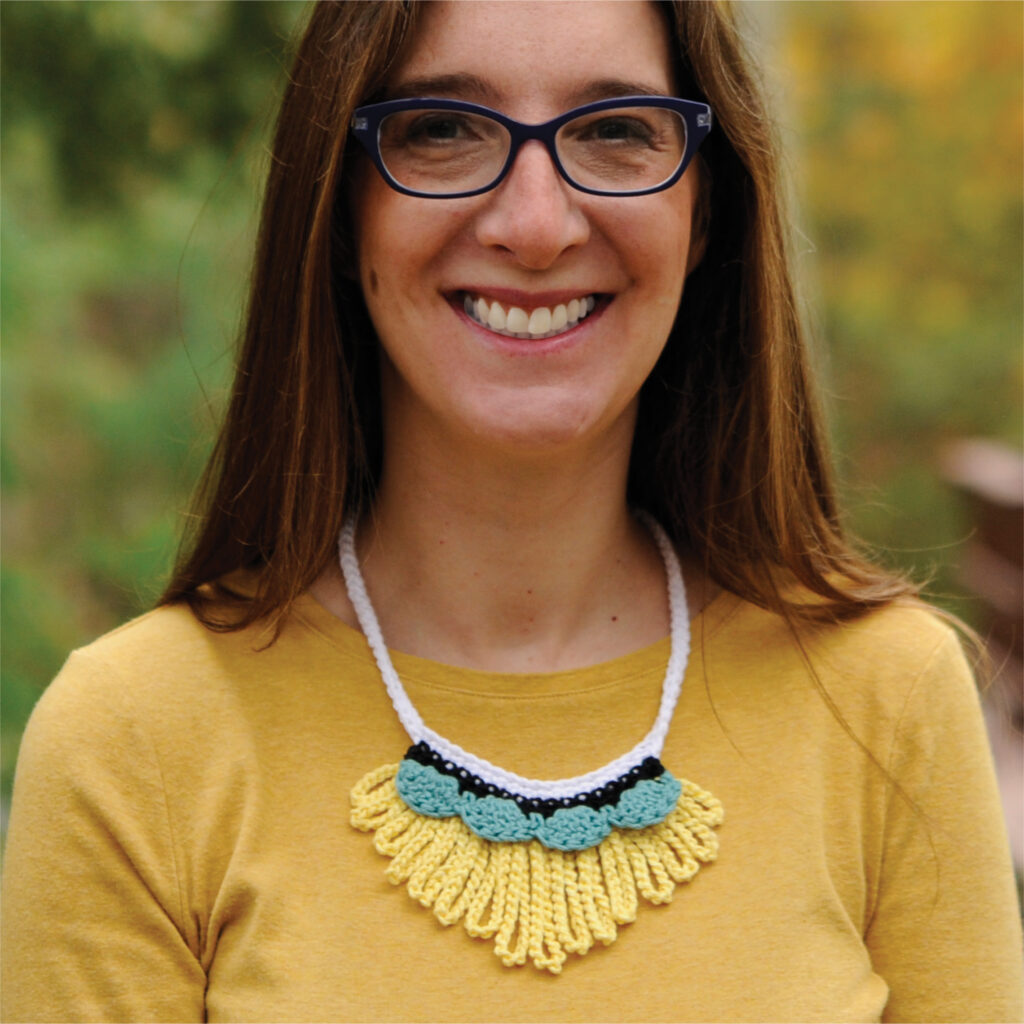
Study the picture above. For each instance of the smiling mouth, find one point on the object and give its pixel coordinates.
(515, 322)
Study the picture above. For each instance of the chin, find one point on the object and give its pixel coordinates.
(532, 429)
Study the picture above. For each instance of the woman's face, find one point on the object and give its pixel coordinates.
(533, 242)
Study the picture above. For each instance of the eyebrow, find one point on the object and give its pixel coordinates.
(607, 88)
(468, 86)
(458, 86)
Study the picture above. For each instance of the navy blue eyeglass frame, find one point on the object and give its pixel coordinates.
(366, 122)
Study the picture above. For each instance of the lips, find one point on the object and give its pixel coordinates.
(537, 322)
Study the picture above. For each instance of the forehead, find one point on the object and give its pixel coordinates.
(545, 56)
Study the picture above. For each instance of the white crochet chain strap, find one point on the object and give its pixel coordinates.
(650, 746)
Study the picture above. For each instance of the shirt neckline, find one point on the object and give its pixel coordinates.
(421, 671)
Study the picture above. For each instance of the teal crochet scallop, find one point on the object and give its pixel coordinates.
(495, 818)
(500, 819)
(427, 790)
(576, 828)
(647, 803)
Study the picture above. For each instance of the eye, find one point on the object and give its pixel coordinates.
(438, 151)
(438, 127)
(622, 149)
(437, 133)
(614, 128)
(622, 129)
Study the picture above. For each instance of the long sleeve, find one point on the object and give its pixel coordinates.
(94, 918)
(944, 932)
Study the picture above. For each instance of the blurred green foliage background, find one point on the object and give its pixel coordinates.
(134, 140)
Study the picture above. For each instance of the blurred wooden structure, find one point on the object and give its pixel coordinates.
(990, 479)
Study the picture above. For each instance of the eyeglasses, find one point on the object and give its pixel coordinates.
(449, 149)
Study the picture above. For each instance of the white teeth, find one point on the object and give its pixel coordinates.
(517, 321)
(496, 318)
(542, 322)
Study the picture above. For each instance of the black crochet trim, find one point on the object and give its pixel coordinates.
(603, 796)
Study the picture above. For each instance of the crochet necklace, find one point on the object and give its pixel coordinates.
(544, 868)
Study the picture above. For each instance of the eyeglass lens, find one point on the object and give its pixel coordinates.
(622, 149)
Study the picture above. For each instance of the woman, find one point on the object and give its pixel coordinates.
(534, 372)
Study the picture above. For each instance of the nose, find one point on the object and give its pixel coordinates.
(534, 214)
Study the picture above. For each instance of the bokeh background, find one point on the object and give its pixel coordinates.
(134, 142)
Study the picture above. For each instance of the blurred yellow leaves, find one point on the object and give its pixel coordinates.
(907, 129)
(911, 132)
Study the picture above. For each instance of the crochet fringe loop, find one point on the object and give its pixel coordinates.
(536, 903)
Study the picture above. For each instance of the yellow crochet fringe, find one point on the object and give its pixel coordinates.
(535, 902)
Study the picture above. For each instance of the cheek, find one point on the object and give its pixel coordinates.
(657, 241)
(676, 222)
(375, 226)
(681, 219)
(367, 239)
(399, 242)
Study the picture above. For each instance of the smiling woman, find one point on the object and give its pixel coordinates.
(530, 245)
(522, 406)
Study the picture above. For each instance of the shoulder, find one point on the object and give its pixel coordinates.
(904, 664)
(910, 626)
(169, 674)
(161, 655)
(901, 647)
(901, 637)
(902, 659)
(112, 689)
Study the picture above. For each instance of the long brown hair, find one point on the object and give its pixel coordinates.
(729, 451)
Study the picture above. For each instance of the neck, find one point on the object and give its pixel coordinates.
(525, 564)
(506, 562)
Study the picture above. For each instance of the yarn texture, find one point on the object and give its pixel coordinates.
(544, 867)
(505, 818)
(537, 902)
(650, 746)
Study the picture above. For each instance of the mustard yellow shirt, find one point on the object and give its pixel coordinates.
(180, 846)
